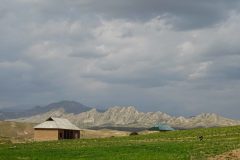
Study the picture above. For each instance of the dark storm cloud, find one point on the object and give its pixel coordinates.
(186, 13)
(189, 13)
(145, 78)
(173, 56)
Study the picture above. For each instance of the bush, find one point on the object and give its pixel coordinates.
(133, 134)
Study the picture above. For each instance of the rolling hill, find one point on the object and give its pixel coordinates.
(16, 131)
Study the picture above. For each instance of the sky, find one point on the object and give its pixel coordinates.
(179, 57)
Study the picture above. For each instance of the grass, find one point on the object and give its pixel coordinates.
(164, 145)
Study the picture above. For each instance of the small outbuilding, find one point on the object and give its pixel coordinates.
(161, 127)
(56, 129)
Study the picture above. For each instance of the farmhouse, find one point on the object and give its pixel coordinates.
(56, 129)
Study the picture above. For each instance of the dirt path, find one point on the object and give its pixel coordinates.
(232, 155)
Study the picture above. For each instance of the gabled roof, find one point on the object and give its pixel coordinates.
(57, 123)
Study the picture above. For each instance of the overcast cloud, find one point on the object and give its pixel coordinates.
(179, 57)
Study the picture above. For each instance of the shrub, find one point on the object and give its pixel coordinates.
(133, 134)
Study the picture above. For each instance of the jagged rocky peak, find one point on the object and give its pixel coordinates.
(130, 117)
(130, 109)
(181, 118)
(122, 109)
(57, 112)
(92, 111)
(207, 115)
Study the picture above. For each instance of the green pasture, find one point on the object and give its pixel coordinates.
(173, 145)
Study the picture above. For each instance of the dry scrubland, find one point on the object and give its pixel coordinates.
(21, 132)
(16, 132)
(163, 145)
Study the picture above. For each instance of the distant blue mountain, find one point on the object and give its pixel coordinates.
(69, 107)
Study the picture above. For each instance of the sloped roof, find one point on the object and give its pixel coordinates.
(162, 127)
(57, 123)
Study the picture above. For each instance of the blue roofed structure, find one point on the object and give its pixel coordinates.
(162, 127)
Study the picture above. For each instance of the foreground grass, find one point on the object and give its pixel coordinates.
(168, 145)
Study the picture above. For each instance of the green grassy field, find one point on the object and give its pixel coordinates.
(164, 145)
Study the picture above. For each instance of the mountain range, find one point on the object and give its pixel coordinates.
(68, 106)
(87, 117)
